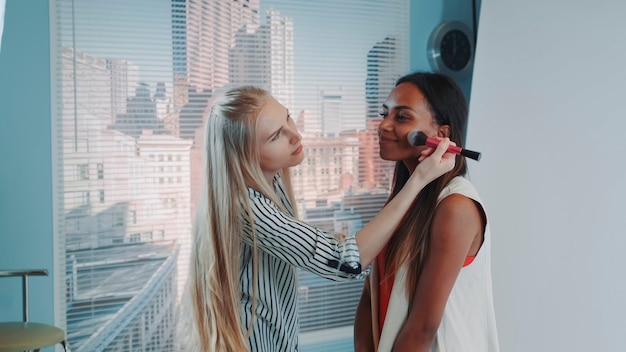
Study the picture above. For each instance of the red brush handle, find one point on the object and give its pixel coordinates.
(431, 142)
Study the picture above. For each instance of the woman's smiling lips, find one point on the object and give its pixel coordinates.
(387, 140)
(297, 151)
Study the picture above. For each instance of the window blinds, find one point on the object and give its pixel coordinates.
(134, 78)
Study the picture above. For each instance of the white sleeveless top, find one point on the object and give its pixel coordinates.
(468, 322)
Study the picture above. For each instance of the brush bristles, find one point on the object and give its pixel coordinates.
(417, 137)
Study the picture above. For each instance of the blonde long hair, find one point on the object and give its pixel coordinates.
(231, 165)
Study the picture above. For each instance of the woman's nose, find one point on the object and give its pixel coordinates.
(295, 136)
(382, 125)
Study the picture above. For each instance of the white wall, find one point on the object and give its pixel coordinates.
(548, 112)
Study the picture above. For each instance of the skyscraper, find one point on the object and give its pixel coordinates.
(384, 67)
(263, 56)
(202, 34)
(331, 108)
(124, 82)
(125, 210)
(279, 31)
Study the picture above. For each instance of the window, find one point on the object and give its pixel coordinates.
(84, 198)
(83, 171)
(133, 78)
(100, 171)
(119, 219)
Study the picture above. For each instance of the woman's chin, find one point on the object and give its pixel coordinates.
(298, 159)
(387, 156)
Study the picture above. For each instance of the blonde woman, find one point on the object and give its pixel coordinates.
(248, 241)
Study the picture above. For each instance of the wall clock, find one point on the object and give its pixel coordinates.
(451, 49)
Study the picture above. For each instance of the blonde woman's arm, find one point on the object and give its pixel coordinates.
(373, 236)
(322, 253)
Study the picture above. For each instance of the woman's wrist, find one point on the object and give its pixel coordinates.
(417, 181)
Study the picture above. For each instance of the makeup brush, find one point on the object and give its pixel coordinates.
(417, 138)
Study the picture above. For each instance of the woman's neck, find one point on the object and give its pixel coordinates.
(269, 177)
(411, 164)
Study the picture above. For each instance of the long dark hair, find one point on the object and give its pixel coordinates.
(409, 245)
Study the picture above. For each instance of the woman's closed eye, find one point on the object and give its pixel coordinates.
(401, 117)
(276, 135)
(398, 117)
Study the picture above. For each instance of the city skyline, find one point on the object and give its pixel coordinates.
(322, 61)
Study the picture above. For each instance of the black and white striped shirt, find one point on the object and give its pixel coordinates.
(286, 244)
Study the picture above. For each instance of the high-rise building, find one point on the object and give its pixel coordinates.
(308, 124)
(331, 111)
(85, 92)
(203, 32)
(327, 172)
(179, 52)
(167, 116)
(264, 56)
(384, 66)
(124, 82)
(140, 115)
(167, 163)
(279, 31)
(126, 214)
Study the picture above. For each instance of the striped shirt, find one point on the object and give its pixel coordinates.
(286, 244)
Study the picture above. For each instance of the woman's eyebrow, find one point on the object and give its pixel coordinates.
(399, 107)
(404, 107)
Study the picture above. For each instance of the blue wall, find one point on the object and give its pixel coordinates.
(26, 221)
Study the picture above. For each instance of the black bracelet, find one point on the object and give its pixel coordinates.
(345, 267)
